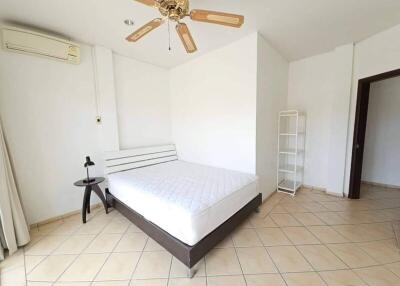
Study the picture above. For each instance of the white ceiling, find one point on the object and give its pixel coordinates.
(297, 28)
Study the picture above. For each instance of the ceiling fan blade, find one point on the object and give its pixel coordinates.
(150, 26)
(220, 18)
(151, 3)
(186, 37)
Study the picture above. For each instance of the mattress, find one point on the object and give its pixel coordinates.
(187, 200)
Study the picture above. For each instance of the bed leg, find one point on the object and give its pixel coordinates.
(190, 273)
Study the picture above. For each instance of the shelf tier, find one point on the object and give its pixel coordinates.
(290, 151)
(290, 169)
(288, 186)
(291, 134)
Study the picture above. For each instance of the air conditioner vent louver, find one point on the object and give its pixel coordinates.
(33, 43)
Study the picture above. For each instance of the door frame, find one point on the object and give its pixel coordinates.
(360, 127)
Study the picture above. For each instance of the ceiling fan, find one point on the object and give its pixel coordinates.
(176, 10)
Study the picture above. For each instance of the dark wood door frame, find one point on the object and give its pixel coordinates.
(360, 127)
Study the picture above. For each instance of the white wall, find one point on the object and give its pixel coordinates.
(382, 140)
(48, 113)
(320, 86)
(310, 91)
(213, 103)
(375, 55)
(143, 103)
(272, 85)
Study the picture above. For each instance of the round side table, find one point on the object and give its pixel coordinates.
(89, 187)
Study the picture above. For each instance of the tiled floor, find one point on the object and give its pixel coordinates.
(311, 239)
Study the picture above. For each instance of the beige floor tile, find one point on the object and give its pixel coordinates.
(49, 227)
(84, 268)
(326, 234)
(222, 262)
(295, 208)
(303, 279)
(226, 280)
(12, 262)
(226, 243)
(279, 209)
(14, 277)
(110, 283)
(153, 265)
(149, 282)
(72, 284)
(133, 228)
(32, 283)
(179, 270)
(315, 207)
(196, 281)
(46, 245)
(116, 226)
(91, 227)
(321, 258)
(331, 218)
(255, 260)
(119, 266)
(394, 267)
(300, 235)
(285, 220)
(342, 278)
(378, 276)
(352, 255)
(67, 228)
(103, 243)
(134, 241)
(384, 251)
(32, 261)
(246, 238)
(365, 232)
(260, 222)
(273, 237)
(308, 219)
(152, 245)
(75, 244)
(288, 259)
(51, 268)
(265, 279)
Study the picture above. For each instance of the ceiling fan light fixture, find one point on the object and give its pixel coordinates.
(176, 10)
(129, 22)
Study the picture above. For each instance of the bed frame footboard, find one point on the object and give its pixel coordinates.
(188, 255)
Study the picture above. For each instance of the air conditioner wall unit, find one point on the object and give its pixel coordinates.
(34, 43)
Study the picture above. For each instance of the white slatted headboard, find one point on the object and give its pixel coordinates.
(119, 161)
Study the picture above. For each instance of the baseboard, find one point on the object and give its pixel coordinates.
(324, 190)
(61, 217)
(381, 185)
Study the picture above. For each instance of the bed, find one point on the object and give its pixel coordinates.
(187, 208)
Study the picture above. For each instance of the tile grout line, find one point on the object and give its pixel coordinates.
(51, 252)
(111, 252)
(140, 257)
(269, 255)
(82, 252)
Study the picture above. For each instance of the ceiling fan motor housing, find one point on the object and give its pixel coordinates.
(173, 9)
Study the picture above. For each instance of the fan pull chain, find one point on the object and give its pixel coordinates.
(169, 37)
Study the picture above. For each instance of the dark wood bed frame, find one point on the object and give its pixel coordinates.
(188, 255)
(123, 160)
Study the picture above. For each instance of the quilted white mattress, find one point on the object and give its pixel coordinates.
(185, 199)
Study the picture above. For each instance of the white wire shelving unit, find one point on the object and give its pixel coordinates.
(291, 144)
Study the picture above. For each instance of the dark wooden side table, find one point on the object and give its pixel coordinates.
(89, 187)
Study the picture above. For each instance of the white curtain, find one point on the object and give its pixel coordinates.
(14, 230)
